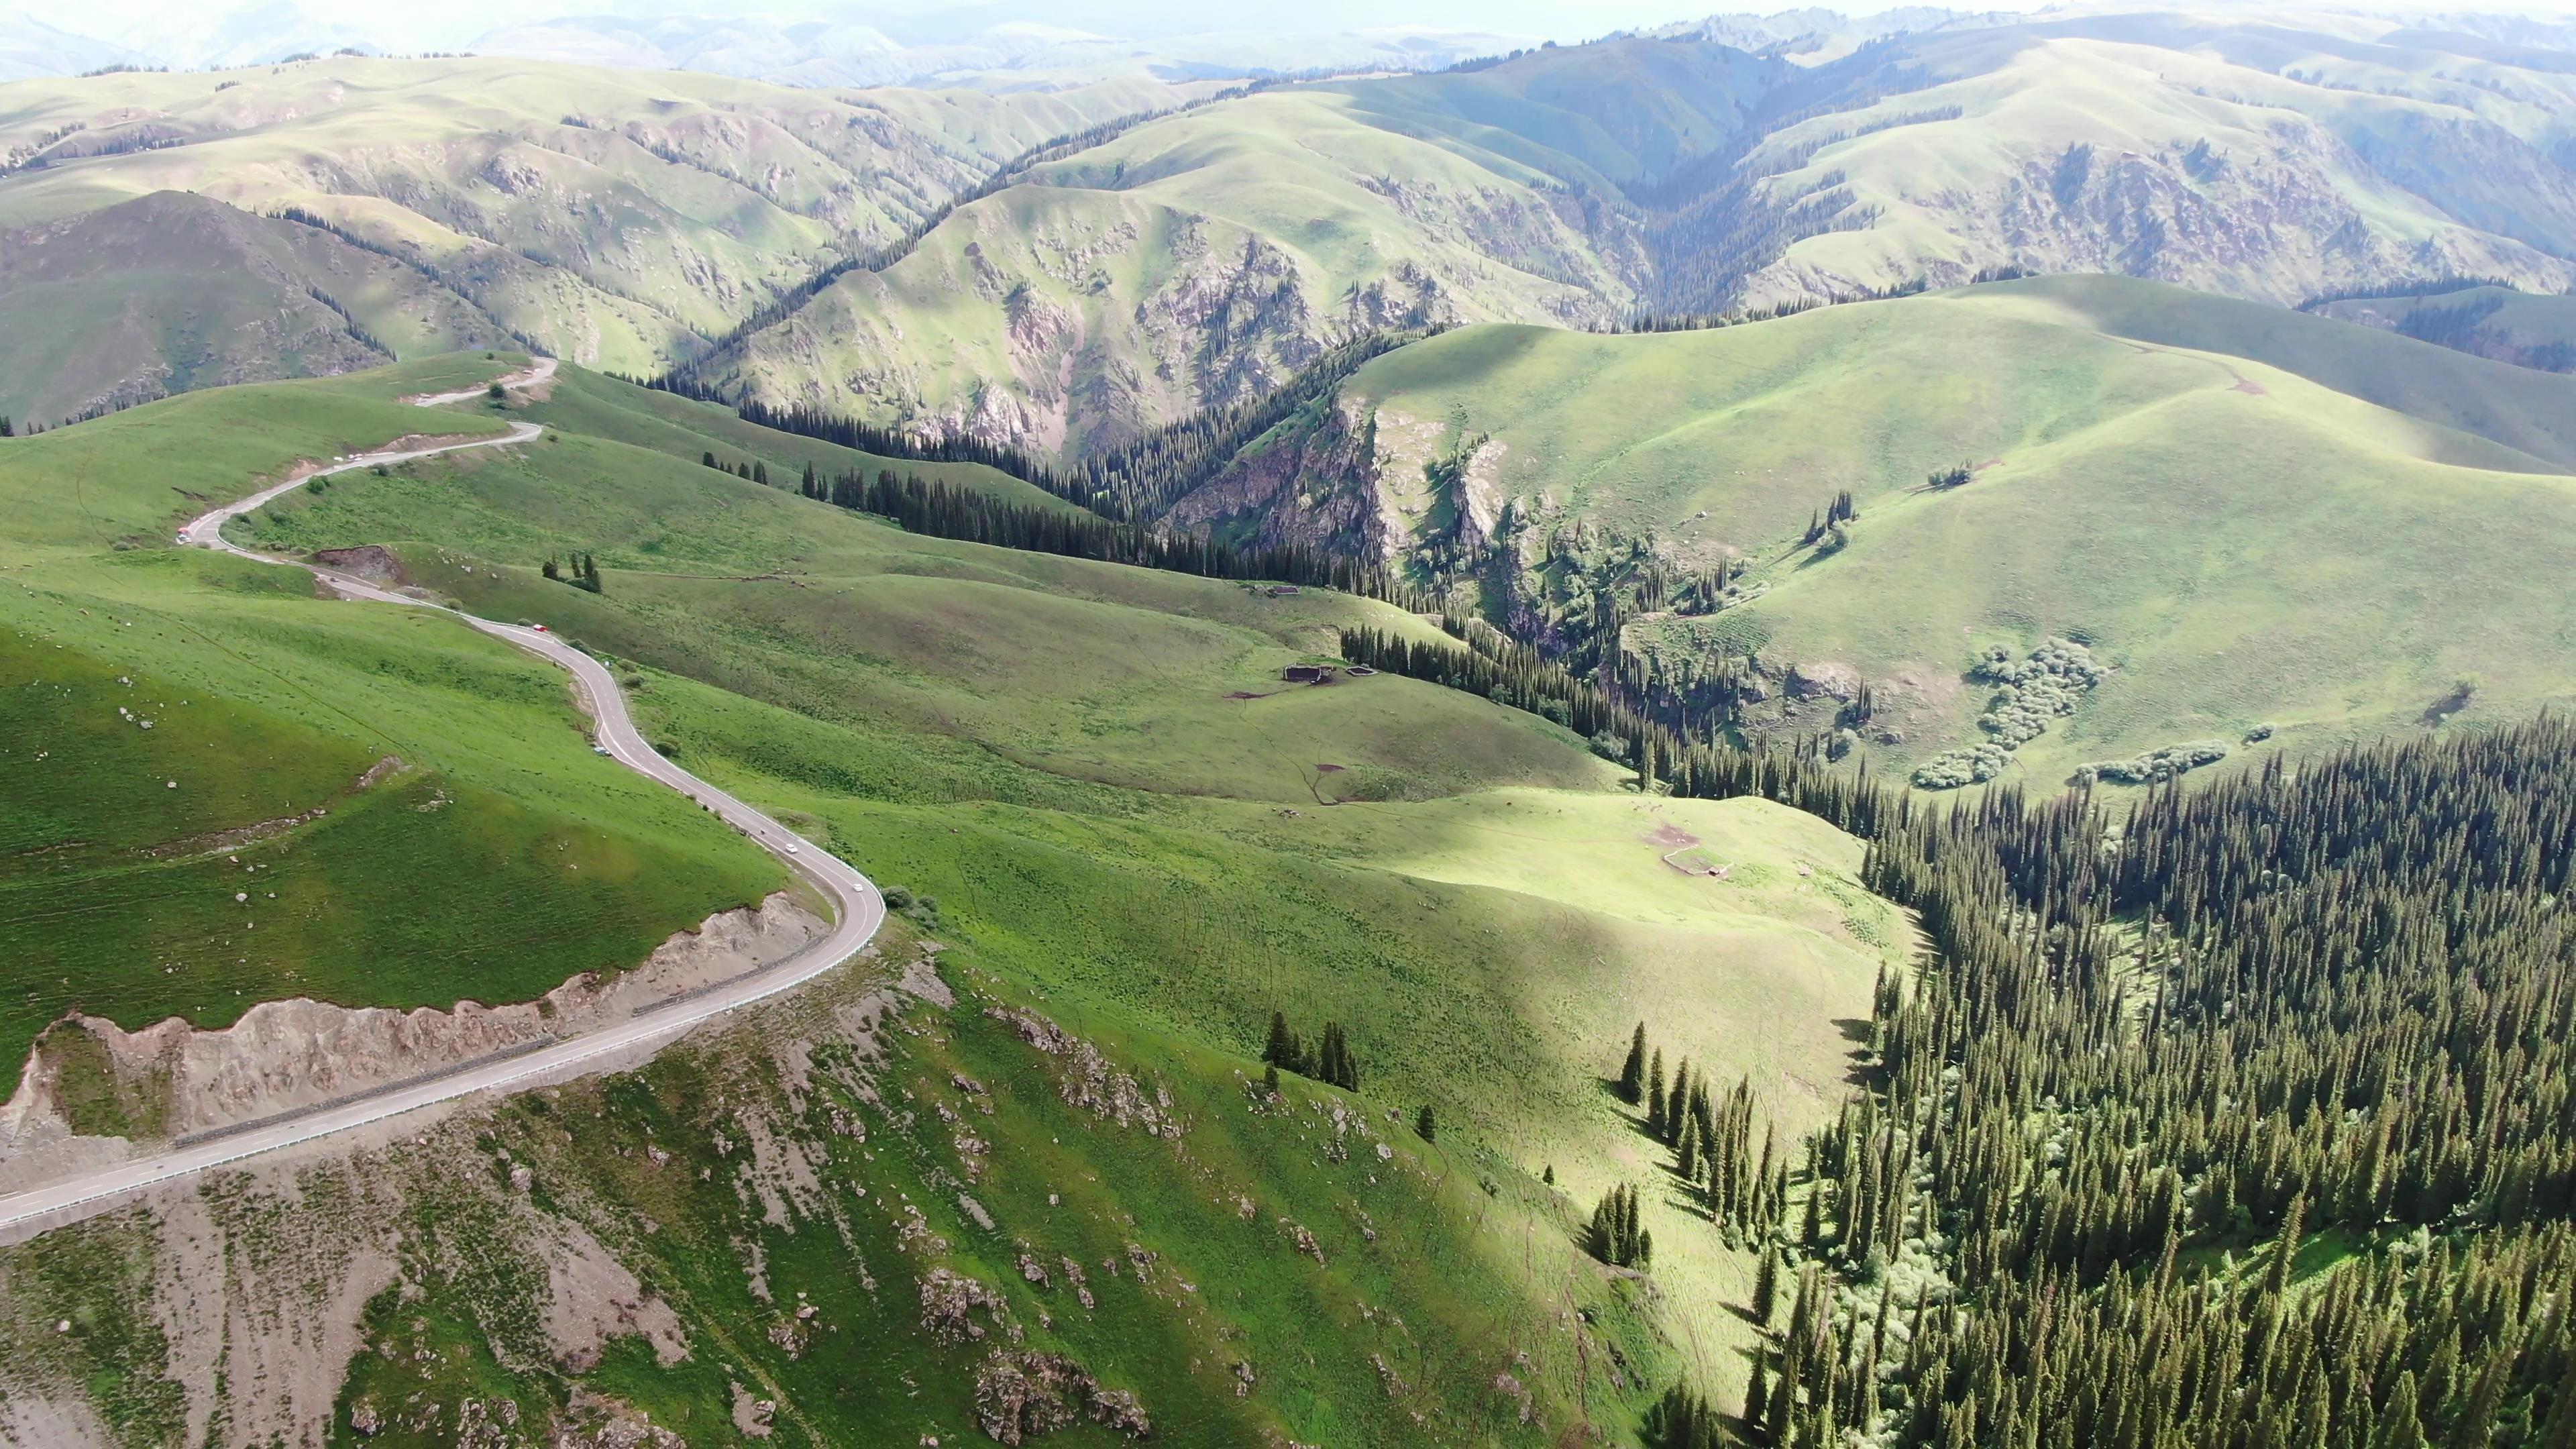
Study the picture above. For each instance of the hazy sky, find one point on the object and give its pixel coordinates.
(402, 20)
(442, 24)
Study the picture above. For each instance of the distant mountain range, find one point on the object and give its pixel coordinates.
(861, 48)
(819, 53)
(1065, 268)
(783, 50)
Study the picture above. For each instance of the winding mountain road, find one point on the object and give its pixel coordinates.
(861, 908)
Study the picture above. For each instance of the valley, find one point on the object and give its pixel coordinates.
(1808, 731)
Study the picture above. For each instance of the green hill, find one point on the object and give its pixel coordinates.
(1200, 259)
(1466, 889)
(2241, 544)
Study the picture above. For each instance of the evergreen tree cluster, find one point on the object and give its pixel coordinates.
(584, 573)
(811, 422)
(1824, 520)
(941, 511)
(1329, 1062)
(2335, 1007)
(1684, 1420)
(1711, 1138)
(750, 470)
(1614, 1236)
(1694, 764)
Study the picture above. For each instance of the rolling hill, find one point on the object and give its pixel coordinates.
(639, 221)
(2252, 517)
(1203, 258)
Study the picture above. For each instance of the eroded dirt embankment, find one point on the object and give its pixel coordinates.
(256, 1283)
(92, 1093)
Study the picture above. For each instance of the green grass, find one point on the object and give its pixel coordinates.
(1488, 952)
(1119, 675)
(497, 859)
(2241, 543)
(1435, 1264)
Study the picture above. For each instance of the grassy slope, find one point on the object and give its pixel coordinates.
(2191, 512)
(2530, 412)
(503, 859)
(760, 1179)
(675, 206)
(1009, 733)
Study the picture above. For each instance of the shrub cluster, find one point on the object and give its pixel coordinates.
(2044, 687)
(2032, 692)
(2156, 767)
(1973, 765)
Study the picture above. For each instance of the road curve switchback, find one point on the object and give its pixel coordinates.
(860, 908)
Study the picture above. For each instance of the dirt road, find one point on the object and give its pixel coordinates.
(861, 909)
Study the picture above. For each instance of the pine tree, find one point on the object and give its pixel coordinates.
(550, 568)
(2399, 1427)
(1766, 1289)
(709, 459)
(1632, 1073)
(1655, 1095)
(5, 430)
(1282, 1049)
(1425, 1126)
(760, 473)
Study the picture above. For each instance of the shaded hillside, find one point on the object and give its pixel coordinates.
(173, 291)
(2522, 328)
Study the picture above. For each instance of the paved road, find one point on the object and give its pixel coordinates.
(861, 908)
